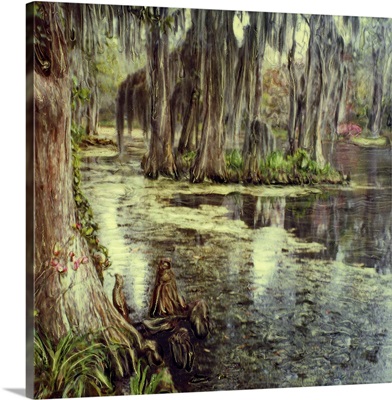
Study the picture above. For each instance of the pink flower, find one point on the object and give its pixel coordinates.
(71, 255)
(54, 262)
(56, 250)
(76, 265)
(61, 268)
(84, 260)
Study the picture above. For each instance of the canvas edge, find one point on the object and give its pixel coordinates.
(29, 200)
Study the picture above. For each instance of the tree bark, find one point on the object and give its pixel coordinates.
(160, 158)
(293, 90)
(93, 110)
(378, 85)
(254, 143)
(314, 88)
(210, 159)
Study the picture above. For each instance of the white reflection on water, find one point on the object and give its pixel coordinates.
(127, 259)
(268, 241)
(266, 255)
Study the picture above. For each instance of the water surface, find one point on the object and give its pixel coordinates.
(298, 280)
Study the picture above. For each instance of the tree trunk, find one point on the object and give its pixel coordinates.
(160, 158)
(93, 111)
(253, 148)
(314, 88)
(120, 115)
(210, 159)
(188, 127)
(378, 84)
(293, 90)
(65, 300)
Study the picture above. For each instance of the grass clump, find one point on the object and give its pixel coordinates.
(234, 160)
(75, 367)
(145, 382)
(234, 165)
(299, 168)
(275, 168)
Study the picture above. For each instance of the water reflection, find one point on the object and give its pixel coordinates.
(353, 226)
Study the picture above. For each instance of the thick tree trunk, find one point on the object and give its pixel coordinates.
(210, 159)
(257, 133)
(72, 299)
(314, 88)
(160, 158)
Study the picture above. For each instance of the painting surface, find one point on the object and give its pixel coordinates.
(212, 200)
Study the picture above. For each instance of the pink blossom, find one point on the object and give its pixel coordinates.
(54, 262)
(84, 260)
(76, 265)
(61, 268)
(349, 130)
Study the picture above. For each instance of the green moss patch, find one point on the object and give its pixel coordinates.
(368, 142)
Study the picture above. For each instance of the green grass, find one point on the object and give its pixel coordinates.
(75, 367)
(108, 123)
(145, 382)
(296, 169)
(234, 160)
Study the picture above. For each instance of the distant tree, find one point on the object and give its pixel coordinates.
(379, 34)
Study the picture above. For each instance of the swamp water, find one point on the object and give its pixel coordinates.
(298, 280)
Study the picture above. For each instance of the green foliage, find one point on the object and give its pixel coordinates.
(73, 368)
(78, 133)
(296, 169)
(80, 95)
(86, 224)
(275, 168)
(144, 382)
(234, 160)
(188, 158)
